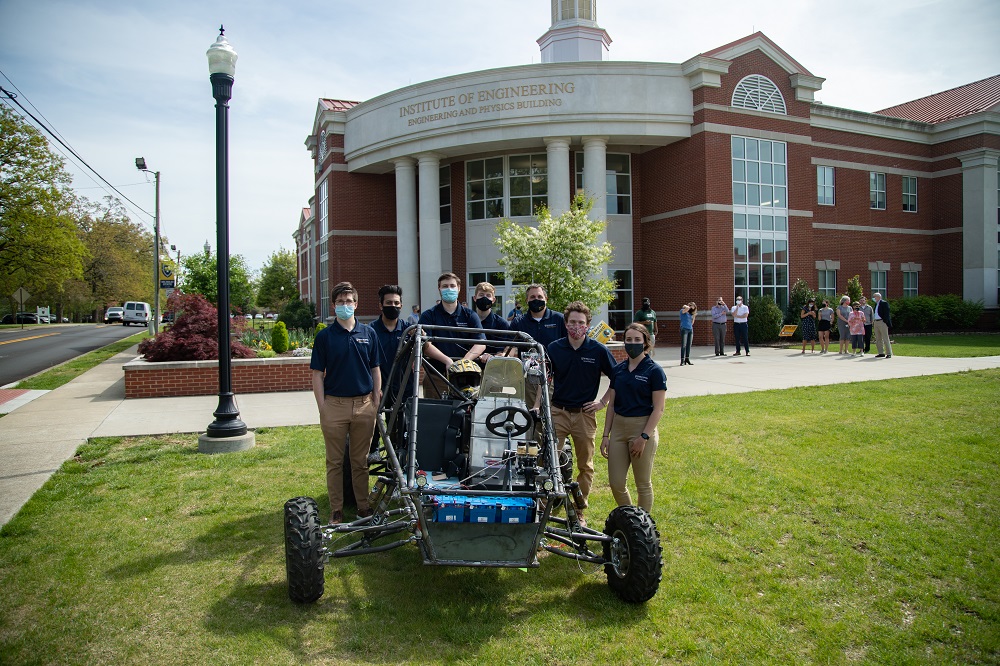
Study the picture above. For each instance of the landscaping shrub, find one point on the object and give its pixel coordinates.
(298, 314)
(765, 318)
(319, 327)
(798, 296)
(944, 312)
(854, 288)
(279, 338)
(194, 335)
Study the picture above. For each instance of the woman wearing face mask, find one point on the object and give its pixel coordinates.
(824, 324)
(636, 396)
(843, 323)
(808, 326)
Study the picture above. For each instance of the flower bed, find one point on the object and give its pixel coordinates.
(144, 379)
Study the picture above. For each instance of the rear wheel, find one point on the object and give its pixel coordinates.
(303, 561)
(633, 559)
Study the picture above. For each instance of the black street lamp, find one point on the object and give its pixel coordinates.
(140, 164)
(222, 68)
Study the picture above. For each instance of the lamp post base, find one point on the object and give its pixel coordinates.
(208, 444)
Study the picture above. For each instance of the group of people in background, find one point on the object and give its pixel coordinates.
(856, 321)
(720, 317)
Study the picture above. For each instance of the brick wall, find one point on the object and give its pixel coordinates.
(185, 378)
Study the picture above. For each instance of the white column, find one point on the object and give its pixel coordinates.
(407, 259)
(429, 216)
(979, 227)
(595, 185)
(557, 150)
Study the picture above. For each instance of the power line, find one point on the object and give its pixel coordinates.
(54, 135)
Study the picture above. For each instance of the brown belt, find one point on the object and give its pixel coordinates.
(571, 410)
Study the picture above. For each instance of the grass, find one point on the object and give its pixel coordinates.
(952, 346)
(832, 524)
(70, 370)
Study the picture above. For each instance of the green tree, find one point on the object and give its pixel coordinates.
(854, 288)
(277, 281)
(561, 253)
(39, 246)
(200, 277)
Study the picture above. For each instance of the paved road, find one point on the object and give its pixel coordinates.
(23, 353)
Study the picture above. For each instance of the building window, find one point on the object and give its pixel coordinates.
(758, 93)
(529, 184)
(910, 194)
(824, 185)
(620, 310)
(760, 218)
(910, 280)
(324, 191)
(444, 196)
(618, 194)
(484, 189)
(879, 280)
(828, 283)
(324, 293)
(876, 189)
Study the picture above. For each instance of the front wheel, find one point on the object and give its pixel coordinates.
(633, 558)
(303, 561)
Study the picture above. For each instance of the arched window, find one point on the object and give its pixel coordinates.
(759, 93)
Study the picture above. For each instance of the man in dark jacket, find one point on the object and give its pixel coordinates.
(880, 326)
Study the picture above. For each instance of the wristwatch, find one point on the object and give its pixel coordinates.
(644, 436)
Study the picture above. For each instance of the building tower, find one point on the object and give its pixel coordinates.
(574, 35)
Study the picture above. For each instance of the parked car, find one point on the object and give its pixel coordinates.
(114, 314)
(167, 318)
(26, 318)
(7, 319)
(258, 316)
(136, 312)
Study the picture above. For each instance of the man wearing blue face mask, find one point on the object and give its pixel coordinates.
(449, 312)
(347, 384)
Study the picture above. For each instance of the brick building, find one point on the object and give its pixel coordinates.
(718, 175)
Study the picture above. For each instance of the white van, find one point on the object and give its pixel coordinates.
(136, 312)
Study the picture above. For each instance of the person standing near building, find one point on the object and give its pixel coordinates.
(869, 313)
(856, 323)
(808, 326)
(688, 313)
(844, 323)
(484, 298)
(647, 317)
(542, 324)
(388, 332)
(741, 327)
(441, 355)
(636, 395)
(515, 311)
(719, 313)
(880, 326)
(577, 365)
(347, 384)
(824, 324)
(414, 316)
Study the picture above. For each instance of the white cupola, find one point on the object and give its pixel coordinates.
(574, 35)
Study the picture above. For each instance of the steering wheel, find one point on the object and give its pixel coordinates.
(500, 421)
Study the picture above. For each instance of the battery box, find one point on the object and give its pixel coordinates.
(483, 510)
(516, 509)
(451, 509)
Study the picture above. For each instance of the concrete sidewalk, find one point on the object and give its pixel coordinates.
(37, 437)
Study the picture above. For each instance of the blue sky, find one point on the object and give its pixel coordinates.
(123, 79)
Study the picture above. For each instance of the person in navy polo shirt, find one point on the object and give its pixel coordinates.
(485, 297)
(449, 312)
(638, 390)
(347, 384)
(577, 365)
(388, 332)
(542, 324)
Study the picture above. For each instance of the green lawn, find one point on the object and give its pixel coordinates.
(832, 524)
(70, 370)
(952, 346)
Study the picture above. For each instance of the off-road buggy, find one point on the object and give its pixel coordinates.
(473, 478)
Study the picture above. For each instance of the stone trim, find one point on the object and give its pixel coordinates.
(887, 230)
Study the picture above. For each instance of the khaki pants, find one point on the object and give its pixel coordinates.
(882, 337)
(623, 430)
(582, 427)
(337, 418)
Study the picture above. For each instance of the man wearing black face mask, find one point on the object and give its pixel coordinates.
(485, 297)
(388, 332)
(540, 322)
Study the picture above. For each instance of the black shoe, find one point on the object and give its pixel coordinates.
(879, 355)
(682, 361)
(736, 354)
(747, 354)
(688, 361)
(888, 355)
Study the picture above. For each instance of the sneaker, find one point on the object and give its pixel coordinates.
(337, 518)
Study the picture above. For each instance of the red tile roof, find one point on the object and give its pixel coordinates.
(337, 104)
(955, 103)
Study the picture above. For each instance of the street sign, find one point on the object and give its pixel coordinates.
(167, 284)
(21, 296)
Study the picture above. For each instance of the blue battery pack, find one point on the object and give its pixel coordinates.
(451, 509)
(516, 510)
(483, 510)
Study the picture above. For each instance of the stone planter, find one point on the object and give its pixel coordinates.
(250, 375)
